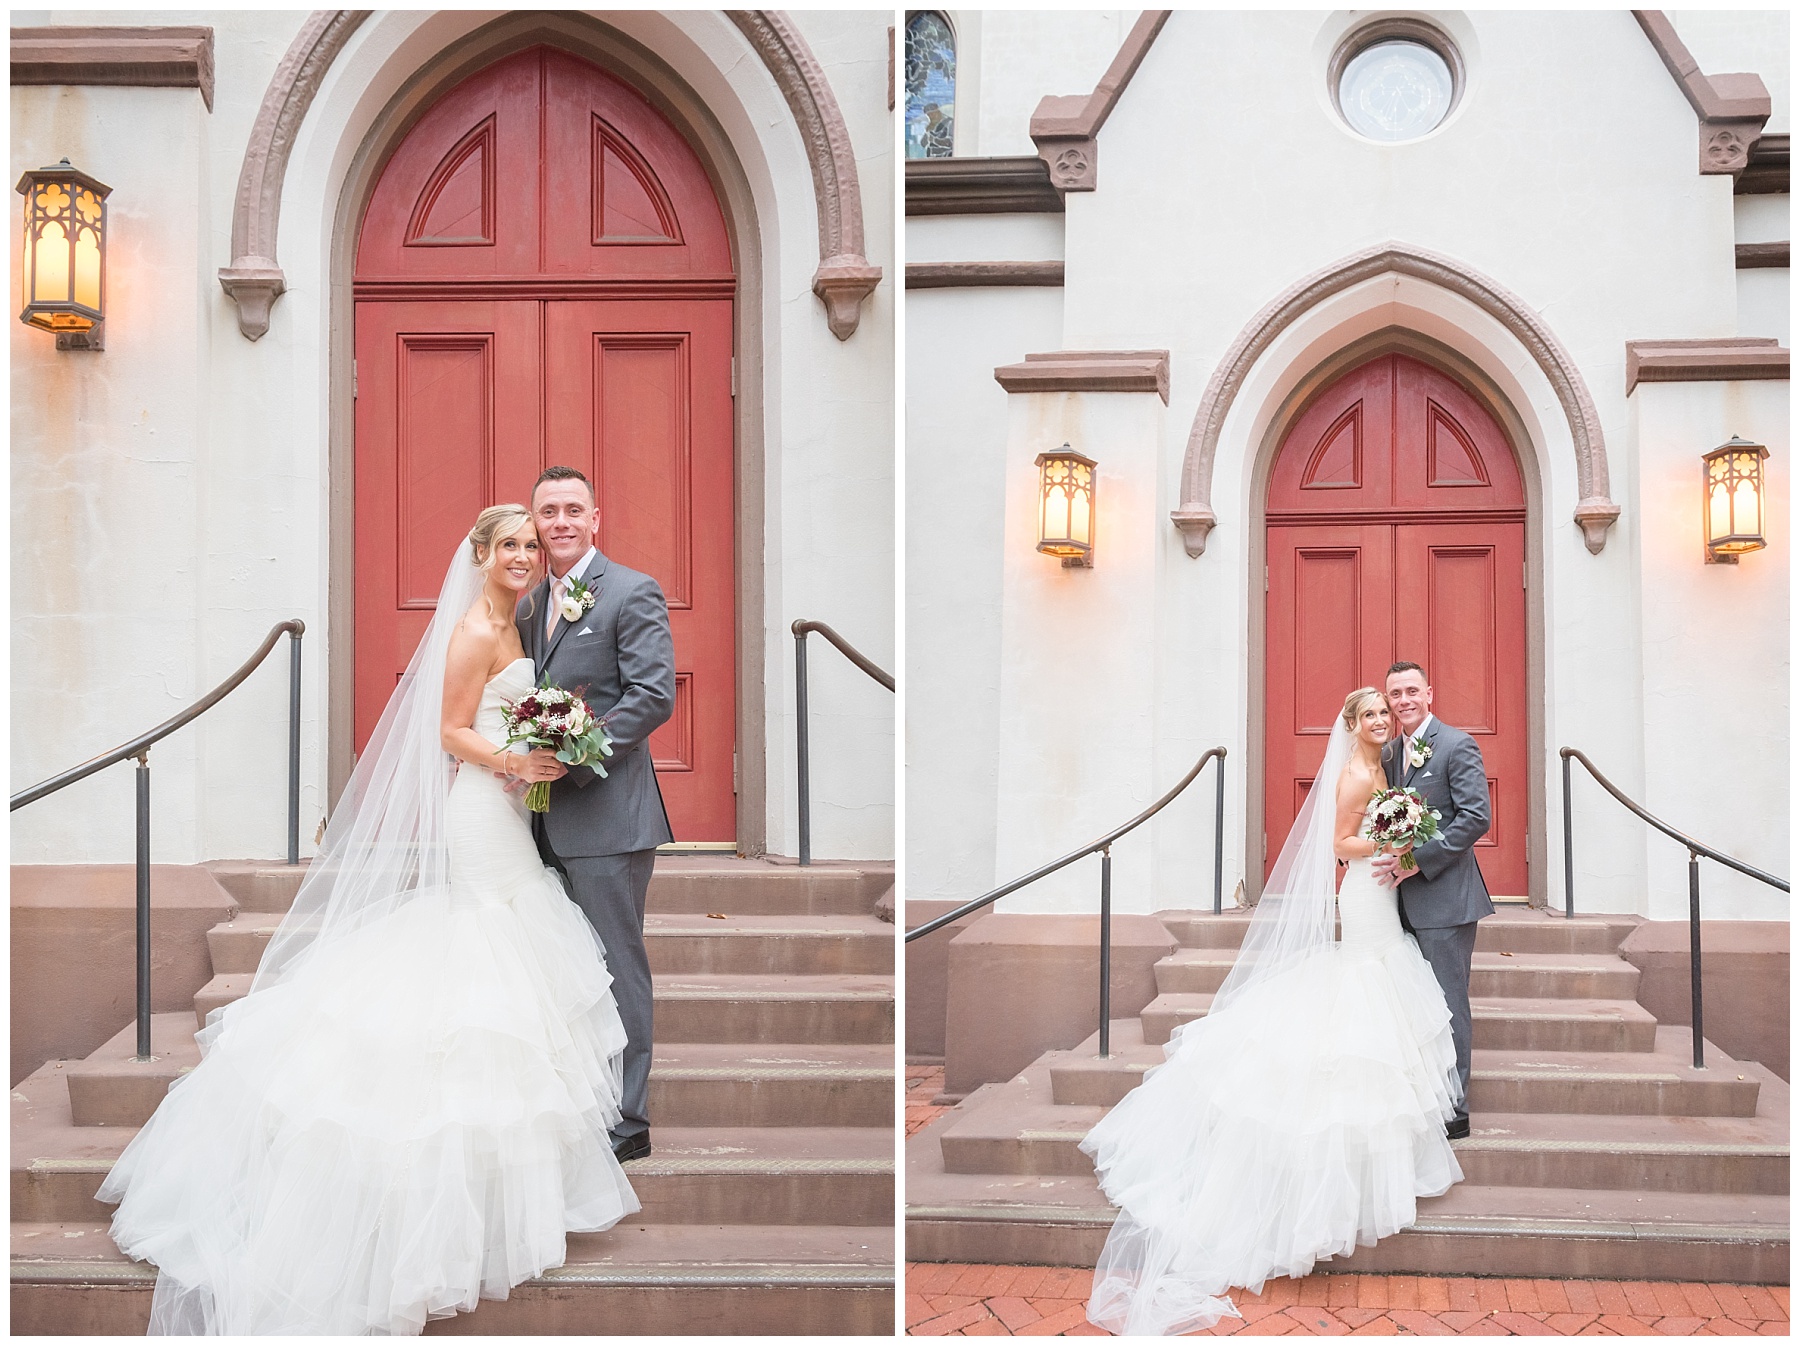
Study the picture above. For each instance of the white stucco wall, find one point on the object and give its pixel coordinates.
(185, 469)
(1218, 189)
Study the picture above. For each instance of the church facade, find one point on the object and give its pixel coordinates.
(366, 272)
(1391, 337)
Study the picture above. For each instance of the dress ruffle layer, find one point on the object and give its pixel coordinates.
(1303, 1119)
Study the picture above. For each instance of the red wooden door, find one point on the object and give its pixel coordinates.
(544, 276)
(1397, 531)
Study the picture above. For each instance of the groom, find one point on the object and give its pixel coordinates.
(1442, 900)
(602, 834)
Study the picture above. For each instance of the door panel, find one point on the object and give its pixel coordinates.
(638, 395)
(1330, 631)
(1462, 607)
(447, 417)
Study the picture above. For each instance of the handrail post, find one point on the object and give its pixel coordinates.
(293, 854)
(1105, 952)
(1694, 956)
(1219, 835)
(1568, 843)
(801, 745)
(143, 905)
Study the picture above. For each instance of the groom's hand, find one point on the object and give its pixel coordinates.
(1385, 867)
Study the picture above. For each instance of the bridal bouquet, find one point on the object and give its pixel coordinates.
(1400, 816)
(551, 717)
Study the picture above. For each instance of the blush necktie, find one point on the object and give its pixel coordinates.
(557, 589)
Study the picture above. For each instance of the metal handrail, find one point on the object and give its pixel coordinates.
(1104, 846)
(1695, 850)
(802, 740)
(139, 748)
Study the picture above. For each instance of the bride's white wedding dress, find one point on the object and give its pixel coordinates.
(411, 1121)
(1304, 1118)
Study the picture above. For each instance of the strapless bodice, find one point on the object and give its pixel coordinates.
(502, 690)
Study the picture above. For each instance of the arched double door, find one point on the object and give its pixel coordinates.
(1396, 530)
(543, 276)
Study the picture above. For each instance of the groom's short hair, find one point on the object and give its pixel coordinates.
(560, 473)
(1406, 666)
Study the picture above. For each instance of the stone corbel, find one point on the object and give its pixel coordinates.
(1066, 127)
(845, 276)
(254, 279)
(1732, 108)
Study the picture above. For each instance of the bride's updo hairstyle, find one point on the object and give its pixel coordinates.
(492, 524)
(1357, 702)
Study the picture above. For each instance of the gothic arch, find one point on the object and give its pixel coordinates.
(1594, 512)
(844, 277)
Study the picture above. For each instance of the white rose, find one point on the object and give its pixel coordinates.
(570, 607)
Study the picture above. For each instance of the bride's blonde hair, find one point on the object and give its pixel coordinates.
(492, 524)
(1357, 702)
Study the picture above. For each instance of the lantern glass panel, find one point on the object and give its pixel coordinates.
(50, 274)
(87, 248)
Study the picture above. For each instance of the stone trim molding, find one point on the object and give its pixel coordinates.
(254, 279)
(1731, 108)
(1768, 170)
(1706, 360)
(1595, 512)
(140, 57)
(845, 276)
(1089, 372)
(1066, 127)
(952, 275)
(1752, 256)
(996, 186)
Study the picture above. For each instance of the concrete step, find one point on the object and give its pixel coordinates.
(1663, 1082)
(1509, 929)
(701, 1007)
(768, 886)
(1470, 1230)
(696, 1175)
(1528, 1025)
(1549, 976)
(792, 943)
(683, 942)
(691, 1083)
(729, 1008)
(1017, 1127)
(69, 1279)
(259, 885)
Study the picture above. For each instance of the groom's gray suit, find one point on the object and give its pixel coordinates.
(602, 834)
(1444, 898)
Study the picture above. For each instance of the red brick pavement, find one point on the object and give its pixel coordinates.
(951, 1299)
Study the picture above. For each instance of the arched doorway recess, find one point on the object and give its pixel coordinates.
(1396, 518)
(543, 274)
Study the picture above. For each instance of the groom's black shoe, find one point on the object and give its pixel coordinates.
(1455, 1130)
(636, 1147)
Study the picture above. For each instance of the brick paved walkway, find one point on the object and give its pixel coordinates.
(950, 1299)
(923, 1083)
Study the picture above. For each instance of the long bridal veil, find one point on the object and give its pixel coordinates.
(1189, 1163)
(388, 838)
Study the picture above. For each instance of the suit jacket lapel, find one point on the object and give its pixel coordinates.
(534, 625)
(1430, 733)
(590, 577)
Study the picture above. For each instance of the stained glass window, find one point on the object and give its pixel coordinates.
(930, 87)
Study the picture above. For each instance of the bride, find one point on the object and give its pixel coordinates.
(411, 1106)
(1305, 1113)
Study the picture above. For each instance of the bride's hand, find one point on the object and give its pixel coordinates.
(536, 765)
(1400, 850)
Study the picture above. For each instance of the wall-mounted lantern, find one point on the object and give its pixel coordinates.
(1733, 500)
(64, 259)
(1066, 506)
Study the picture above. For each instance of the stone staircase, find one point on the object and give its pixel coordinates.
(1597, 1150)
(768, 1204)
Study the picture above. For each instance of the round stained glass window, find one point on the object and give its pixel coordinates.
(1395, 90)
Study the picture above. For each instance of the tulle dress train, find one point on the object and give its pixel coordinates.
(410, 1123)
(1303, 1118)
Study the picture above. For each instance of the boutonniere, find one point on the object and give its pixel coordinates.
(576, 599)
(1420, 754)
